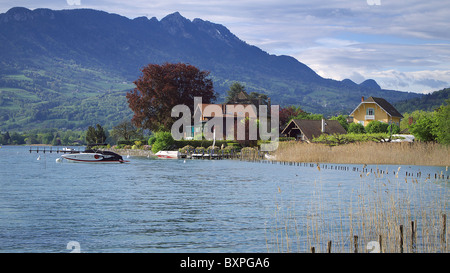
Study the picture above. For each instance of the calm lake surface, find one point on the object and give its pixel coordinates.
(153, 205)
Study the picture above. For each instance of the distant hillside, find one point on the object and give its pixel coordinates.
(72, 68)
(427, 102)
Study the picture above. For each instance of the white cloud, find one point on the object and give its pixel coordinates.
(418, 81)
(337, 38)
(73, 2)
(416, 68)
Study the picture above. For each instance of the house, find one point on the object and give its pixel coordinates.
(306, 130)
(231, 113)
(375, 109)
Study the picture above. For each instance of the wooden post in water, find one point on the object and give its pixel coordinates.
(413, 237)
(444, 232)
(329, 247)
(401, 238)
(313, 250)
(380, 241)
(355, 242)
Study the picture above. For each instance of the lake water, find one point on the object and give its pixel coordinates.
(151, 205)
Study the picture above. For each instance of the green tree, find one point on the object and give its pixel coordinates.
(393, 128)
(424, 128)
(442, 129)
(376, 126)
(17, 139)
(95, 135)
(342, 120)
(56, 140)
(258, 98)
(6, 138)
(416, 115)
(163, 140)
(31, 139)
(126, 131)
(234, 90)
(356, 128)
(46, 138)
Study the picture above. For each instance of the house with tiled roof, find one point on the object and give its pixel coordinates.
(375, 109)
(239, 108)
(306, 130)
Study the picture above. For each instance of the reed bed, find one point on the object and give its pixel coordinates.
(403, 215)
(403, 153)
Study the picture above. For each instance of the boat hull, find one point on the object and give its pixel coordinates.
(94, 158)
(168, 154)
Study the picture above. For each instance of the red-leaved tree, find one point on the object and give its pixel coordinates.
(161, 87)
(288, 113)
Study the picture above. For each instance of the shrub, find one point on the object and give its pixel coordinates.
(213, 148)
(151, 140)
(356, 128)
(393, 128)
(125, 142)
(335, 139)
(163, 141)
(228, 149)
(199, 150)
(376, 126)
(186, 149)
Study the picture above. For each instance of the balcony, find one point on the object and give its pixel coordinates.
(370, 117)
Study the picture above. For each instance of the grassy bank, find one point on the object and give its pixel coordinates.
(404, 153)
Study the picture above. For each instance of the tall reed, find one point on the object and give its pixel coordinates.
(375, 210)
(403, 153)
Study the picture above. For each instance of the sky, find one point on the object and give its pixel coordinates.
(402, 44)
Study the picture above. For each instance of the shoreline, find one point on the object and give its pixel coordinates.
(417, 153)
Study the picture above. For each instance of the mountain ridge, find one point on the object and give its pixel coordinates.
(52, 53)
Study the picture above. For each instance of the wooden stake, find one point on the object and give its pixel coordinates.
(380, 241)
(355, 241)
(401, 238)
(413, 237)
(329, 247)
(444, 232)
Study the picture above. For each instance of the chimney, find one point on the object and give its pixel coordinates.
(323, 126)
(362, 99)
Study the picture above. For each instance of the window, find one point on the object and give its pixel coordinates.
(370, 111)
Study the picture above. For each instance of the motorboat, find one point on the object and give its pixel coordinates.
(93, 156)
(168, 154)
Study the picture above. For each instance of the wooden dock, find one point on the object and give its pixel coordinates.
(244, 154)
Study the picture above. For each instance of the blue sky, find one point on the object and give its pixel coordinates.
(402, 44)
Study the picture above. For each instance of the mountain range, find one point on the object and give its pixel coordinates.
(72, 68)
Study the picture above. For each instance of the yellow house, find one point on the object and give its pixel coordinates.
(375, 109)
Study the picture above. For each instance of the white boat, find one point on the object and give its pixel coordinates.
(93, 156)
(168, 154)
